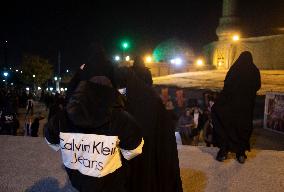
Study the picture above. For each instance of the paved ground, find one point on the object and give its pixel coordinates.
(263, 171)
(29, 165)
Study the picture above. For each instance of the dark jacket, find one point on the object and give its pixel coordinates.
(9, 123)
(92, 134)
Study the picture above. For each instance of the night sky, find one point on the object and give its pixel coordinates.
(45, 27)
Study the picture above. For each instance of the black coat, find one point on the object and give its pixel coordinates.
(90, 111)
(157, 169)
(232, 113)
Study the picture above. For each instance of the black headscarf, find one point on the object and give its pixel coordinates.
(241, 72)
(96, 64)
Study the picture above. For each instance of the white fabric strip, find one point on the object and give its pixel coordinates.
(130, 154)
(55, 147)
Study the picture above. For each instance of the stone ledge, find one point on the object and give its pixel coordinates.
(28, 164)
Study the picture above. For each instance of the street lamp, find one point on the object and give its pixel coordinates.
(116, 58)
(33, 76)
(199, 62)
(5, 74)
(236, 38)
(148, 59)
(177, 61)
(55, 78)
(125, 45)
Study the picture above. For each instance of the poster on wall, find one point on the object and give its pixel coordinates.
(274, 112)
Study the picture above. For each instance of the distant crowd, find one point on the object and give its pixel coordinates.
(191, 116)
(12, 99)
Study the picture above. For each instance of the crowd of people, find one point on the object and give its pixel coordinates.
(10, 101)
(191, 116)
(16, 102)
(102, 124)
(93, 124)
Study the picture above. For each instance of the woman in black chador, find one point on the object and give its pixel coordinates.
(157, 169)
(232, 114)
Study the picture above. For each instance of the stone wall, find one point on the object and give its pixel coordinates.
(267, 51)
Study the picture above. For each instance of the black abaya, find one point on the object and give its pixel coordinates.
(232, 113)
(157, 169)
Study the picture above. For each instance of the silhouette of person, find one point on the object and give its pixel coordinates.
(232, 113)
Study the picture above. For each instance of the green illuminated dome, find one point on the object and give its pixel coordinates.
(171, 49)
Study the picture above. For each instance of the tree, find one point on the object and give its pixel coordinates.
(36, 70)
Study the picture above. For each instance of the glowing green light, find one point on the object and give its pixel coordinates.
(125, 45)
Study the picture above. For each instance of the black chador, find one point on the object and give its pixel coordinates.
(233, 111)
(157, 169)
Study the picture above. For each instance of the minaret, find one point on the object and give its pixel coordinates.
(229, 22)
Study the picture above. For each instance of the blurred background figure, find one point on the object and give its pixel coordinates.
(185, 125)
(142, 72)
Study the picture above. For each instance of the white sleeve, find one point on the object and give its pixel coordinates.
(55, 147)
(130, 154)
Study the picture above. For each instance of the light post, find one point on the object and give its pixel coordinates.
(56, 79)
(34, 82)
(124, 45)
(230, 58)
(5, 74)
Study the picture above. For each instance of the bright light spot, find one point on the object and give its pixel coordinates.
(10, 68)
(5, 74)
(236, 38)
(27, 88)
(125, 45)
(148, 59)
(38, 88)
(61, 89)
(51, 88)
(199, 62)
(176, 61)
(127, 58)
(12, 83)
(46, 89)
(219, 63)
(67, 71)
(6, 41)
(117, 58)
(55, 78)
(4, 80)
(33, 76)
(65, 89)
(21, 71)
(17, 70)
